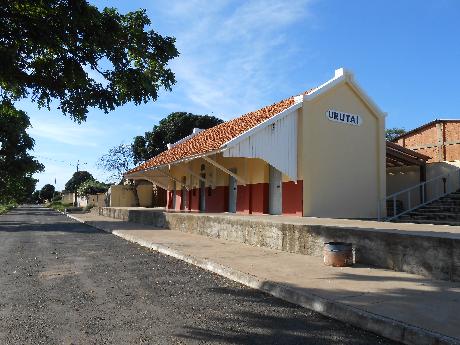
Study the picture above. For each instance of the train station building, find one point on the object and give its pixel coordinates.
(320, 153)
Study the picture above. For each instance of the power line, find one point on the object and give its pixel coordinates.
(63, 161)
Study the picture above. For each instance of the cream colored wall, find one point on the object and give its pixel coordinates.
(96, 199)
(121, 196)
(145, 194)
(67, 198)
(252, 170)
(399, 179)
(343, 166)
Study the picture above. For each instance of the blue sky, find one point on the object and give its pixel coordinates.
(237, 56)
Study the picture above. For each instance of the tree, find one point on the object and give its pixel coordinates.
(393, 133)
(47, 192)
(92, 187)
(172, 128)
(117, 161)
(76, 180)
(80, 56)
(16, 164)
(26, 188)
(36, 199)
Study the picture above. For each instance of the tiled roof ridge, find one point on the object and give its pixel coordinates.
(213, 138)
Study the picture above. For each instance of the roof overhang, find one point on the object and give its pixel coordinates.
(398, 156)
(183, 160)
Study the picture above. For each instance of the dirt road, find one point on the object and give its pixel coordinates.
(63, 282)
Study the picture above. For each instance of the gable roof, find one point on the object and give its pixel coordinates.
(213, 138)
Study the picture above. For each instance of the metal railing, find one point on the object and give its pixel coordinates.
(411, 198)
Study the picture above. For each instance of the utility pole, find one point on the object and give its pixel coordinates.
(54, 192)
(75, 203)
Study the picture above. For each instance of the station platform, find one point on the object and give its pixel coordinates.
(429, 250)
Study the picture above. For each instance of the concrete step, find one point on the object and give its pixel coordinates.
(435, 211)
(429, 221)
(435, 216)
(441, 208)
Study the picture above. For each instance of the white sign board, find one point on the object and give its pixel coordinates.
(349, 119)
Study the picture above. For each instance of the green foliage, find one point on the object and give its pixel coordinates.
(47, 192)
(172, 128)
(58, 206)
(392, 133)
(16, 165)
(92, 187)
(77, 179)
(117, 161)
(7, 207)
(36, 199)
(72, 52)
(57, 196)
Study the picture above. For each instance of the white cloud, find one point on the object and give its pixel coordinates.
(231, 52)
(61, 132)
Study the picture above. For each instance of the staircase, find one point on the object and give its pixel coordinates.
(435, 201)
(445, 210)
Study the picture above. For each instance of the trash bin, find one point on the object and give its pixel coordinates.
(338, 254)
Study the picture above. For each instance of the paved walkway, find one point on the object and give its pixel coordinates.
(427, 307)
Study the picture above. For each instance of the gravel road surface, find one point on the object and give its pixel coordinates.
(63, 282)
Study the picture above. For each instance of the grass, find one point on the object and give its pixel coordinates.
(6, 207)
(58, 206)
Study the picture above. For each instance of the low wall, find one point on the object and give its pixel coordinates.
(68, 198)
(435, 257)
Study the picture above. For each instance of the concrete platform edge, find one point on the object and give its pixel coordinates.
(386, 327)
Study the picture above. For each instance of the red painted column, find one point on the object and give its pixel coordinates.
(242, 199)
(178, 200)
(293, 198)
(195, 199)
(259, 198)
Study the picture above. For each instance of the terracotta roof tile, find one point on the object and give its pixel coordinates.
(213, 138)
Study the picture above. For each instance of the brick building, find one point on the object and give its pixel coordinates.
(438, 139)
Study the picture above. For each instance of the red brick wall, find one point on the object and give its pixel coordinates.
(452, 130)
(425, 136)
(429, 136)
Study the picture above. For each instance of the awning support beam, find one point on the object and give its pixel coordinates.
(225, 170)
(150, 179)
(195, 175)
(173, 178)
